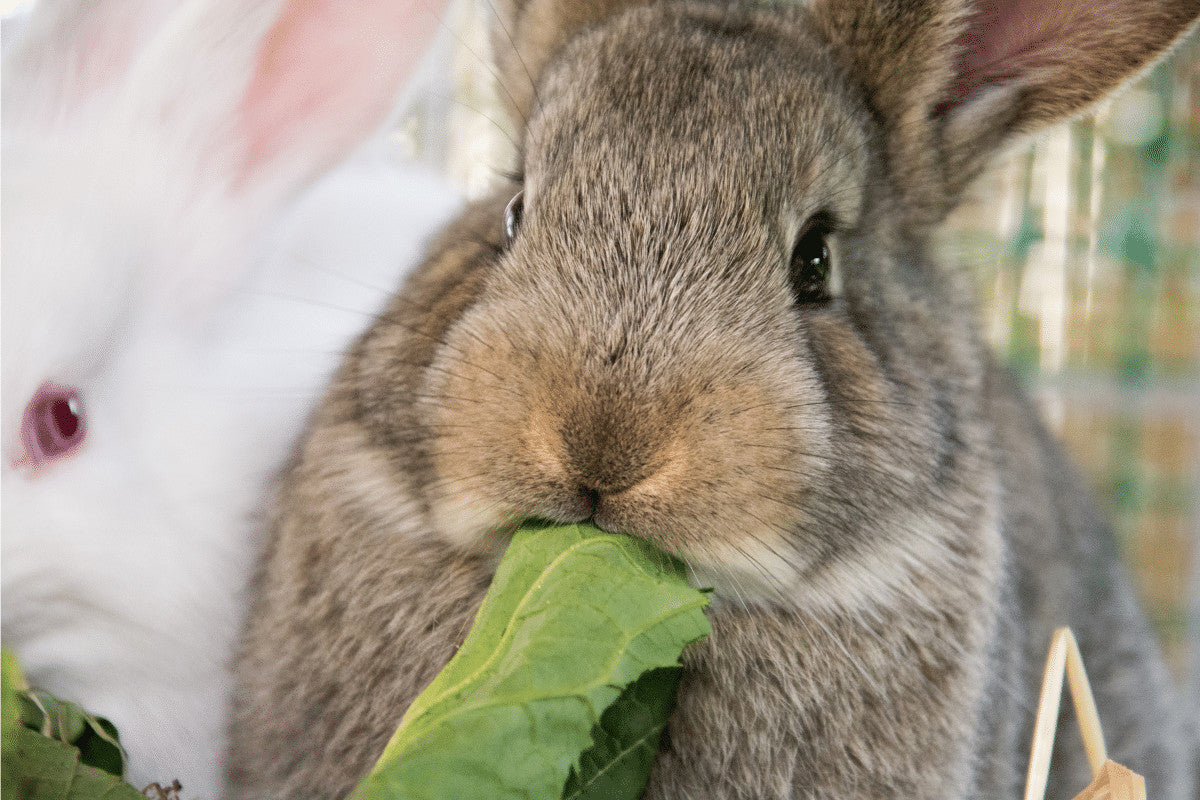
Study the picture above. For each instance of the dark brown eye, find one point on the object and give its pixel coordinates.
(512, 214)
(812, 264)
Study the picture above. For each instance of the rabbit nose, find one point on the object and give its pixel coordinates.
(589, 498)
(609, 452)
(605, 477)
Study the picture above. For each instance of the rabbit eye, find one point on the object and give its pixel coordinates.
(54, 424)
(512, 214)
(812, 264)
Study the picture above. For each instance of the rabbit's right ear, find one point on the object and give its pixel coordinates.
(267, 94)
(954, 80)
(328, 75)
(527, 33)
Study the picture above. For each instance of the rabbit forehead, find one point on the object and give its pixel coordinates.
(669, 166)
(61, 305)
(669, 110)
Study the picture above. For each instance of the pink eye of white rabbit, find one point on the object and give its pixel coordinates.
(512, 214)
(54, 425)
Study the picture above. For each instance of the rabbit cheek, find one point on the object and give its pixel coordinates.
(852, 378)
(731, 493)
(498, 452)
(472, 407)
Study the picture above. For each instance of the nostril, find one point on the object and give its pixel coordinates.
(608, 473)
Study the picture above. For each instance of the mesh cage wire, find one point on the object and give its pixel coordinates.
(1086, 245)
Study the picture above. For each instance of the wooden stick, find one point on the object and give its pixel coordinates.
(1064, 657)
(1085, 704)
(1115, 783)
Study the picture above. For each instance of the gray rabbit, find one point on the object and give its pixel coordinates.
(710, 312)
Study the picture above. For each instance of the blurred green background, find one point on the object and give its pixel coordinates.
(1087, 249)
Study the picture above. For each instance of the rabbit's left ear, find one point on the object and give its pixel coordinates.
(954, 80)
(266, 95)
(527, 33)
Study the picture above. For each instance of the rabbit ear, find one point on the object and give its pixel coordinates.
(70, 51)
(1064, 55)
(527, 33)
(327, 75)
(227, 111)
(954, 81)
(265, 95)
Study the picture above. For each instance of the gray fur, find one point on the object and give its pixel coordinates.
(891, 533)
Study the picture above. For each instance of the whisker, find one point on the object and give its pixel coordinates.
(485, 63)
(516, 51)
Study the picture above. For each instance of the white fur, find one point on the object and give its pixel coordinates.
(198, 317)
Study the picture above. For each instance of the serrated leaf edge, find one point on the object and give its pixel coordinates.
(613, 761)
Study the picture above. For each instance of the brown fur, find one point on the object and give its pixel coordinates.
(891, 535)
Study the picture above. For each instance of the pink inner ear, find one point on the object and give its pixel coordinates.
(327, 75)
(1007, 39)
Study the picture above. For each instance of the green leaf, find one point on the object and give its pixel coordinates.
(94, 737)
(35, 767)
(38, 768)
(11, 682)
(626, 740)
(573, 616)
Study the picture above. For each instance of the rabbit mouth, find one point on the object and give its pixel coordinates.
(742, 560)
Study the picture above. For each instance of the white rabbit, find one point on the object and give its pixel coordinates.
(192, 229)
